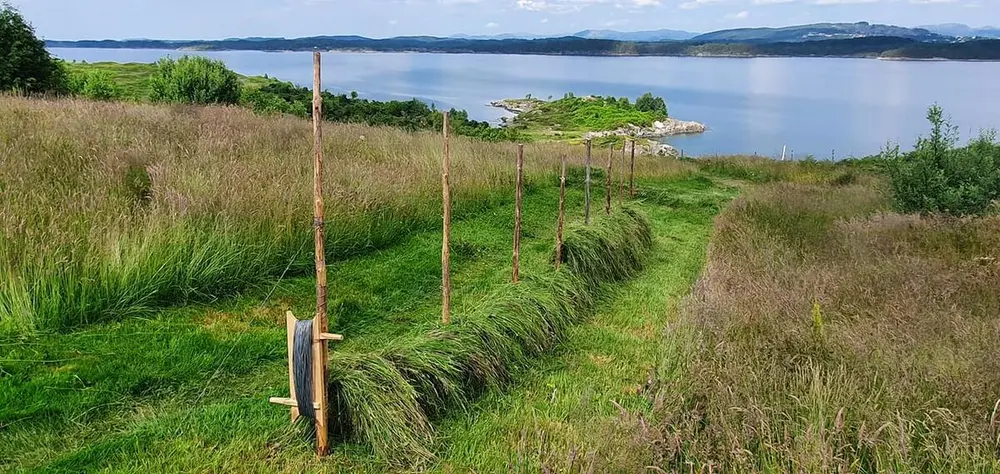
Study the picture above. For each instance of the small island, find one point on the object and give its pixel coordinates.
(606, 119)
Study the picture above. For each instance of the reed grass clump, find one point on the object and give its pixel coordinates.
(422, 374)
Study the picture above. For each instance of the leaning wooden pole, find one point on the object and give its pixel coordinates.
(608, 186)
(518, 193)
(320, 323)
(562, 214)
(586, 211)
(631, 174)
(446, 239)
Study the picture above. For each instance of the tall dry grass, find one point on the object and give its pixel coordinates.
(115, 209)
(833, 336)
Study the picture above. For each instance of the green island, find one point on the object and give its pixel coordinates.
(608, 119)
(729, 314)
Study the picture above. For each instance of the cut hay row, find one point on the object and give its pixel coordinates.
(387, 398)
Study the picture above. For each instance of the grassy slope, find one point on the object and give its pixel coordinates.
(133, 78)
(159, 393)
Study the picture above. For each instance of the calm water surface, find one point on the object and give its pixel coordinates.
(822, 107)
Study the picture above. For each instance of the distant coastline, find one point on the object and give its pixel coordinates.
(863, 47)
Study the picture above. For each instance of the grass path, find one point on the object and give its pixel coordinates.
(186, 390)
(567, 414)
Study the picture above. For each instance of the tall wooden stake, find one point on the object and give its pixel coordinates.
(562, 214)
(446, 239)
(607, 193)
(586, 218)
(320, 323)
(517, 214)
(631, 174)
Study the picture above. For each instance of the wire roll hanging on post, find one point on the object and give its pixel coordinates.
(302, 365)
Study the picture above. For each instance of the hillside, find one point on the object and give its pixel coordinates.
(818, 31)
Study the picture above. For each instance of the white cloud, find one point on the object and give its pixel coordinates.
(559, 6)
(931, 2)
(738, 16)
(393, 22)
(693, 4)
(844, 2)
(493, 24)
(646, 3)
(772, 2)
(544, 20)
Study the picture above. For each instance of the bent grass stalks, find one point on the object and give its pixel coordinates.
(110, 209)
(387, 398)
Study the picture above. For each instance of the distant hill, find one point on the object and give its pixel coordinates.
(651, 35)
(867, 47)
(819, 31)
(503, 36)
(960, 30)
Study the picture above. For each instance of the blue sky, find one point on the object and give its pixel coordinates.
(211, 19)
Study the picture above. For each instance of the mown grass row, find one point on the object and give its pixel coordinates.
(388, 397)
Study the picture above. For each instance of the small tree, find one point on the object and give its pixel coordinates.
(25, 64)
(194, 80)
(937, 177)
(96, 85)
(650, 103)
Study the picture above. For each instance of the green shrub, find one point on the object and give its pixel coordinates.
(96, 85)
(194, 80)
(25, 64)
(937, 177)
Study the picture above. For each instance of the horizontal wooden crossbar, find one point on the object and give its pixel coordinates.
(288, 402)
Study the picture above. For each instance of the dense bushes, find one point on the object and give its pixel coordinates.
(937, 177)
(96, 85)
(195, 80)
(25, 65)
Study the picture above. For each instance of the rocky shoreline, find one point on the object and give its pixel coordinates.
(659, 129)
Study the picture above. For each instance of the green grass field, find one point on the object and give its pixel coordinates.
(740, 315)
(155, 393)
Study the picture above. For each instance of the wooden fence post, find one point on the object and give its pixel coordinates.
(586, 211)
(446, 237)
(516, 277)
(562, 212)
(631, 174)
(607, 193)
(621, 177)
(320, 323)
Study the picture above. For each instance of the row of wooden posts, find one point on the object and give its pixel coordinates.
(320, 336)
(518, 209)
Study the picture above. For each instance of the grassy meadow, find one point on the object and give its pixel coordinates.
(739, 315)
